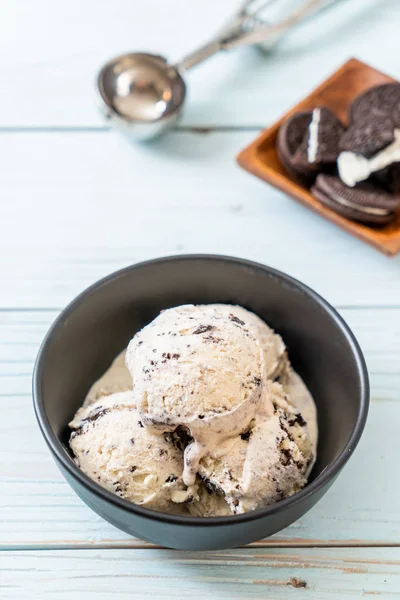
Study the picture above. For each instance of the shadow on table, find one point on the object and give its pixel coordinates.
(187, 144)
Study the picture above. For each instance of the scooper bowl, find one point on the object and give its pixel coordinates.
(142, 92)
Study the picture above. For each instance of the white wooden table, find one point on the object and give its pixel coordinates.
(78, 202)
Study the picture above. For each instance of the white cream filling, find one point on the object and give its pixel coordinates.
(354, 168)
(312, 148)
(369, 210)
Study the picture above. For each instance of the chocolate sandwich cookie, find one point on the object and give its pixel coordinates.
(366, 203)
(368, 136)
(309, 142)
(389, 178)
(378, 101)
(290, 137)
(371, 150)
(320, 143)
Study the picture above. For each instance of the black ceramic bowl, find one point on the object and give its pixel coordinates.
(100, 322)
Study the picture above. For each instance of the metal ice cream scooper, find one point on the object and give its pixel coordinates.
(142, 94)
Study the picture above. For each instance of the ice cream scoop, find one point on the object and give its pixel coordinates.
(117, 378)
(200, 368)
(205, 428)
(278, 366)
(112, 447)
(271, 343)
(302, 401)
(268, 462)
(143, 94)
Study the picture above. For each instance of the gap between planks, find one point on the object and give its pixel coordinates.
(57, 309)
(139, 545)
(203, 129)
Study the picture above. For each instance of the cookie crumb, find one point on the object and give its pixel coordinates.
(297, 583)
(236, 320)
(203, 329)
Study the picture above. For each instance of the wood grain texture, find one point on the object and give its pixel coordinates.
(240, 574)
(50, 53)
(39, 510)
(77, 206)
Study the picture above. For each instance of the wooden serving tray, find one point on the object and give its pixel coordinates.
(336, 92)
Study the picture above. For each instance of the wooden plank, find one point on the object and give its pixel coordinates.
(377, 330)
(39, 510)
(78, 206)
(245, 573)
(54, 88)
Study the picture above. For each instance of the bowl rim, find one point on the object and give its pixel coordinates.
(326, 476)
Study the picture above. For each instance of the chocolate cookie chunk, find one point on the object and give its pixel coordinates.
(368, 136)
(366, 203)
(378, 101)
(290, 136)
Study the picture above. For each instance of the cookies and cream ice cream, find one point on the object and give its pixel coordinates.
(271, 343)
(268, 462)
(116, 379)
(300, 398)
(200, 368)
(207, 416)
(112, 446)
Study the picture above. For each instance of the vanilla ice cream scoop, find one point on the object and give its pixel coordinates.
(201, 368)
(117, 378)
(302, 400)
(267, 462)
(112, 447)
(271, 343)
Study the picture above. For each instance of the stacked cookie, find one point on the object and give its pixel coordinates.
(354, 171)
